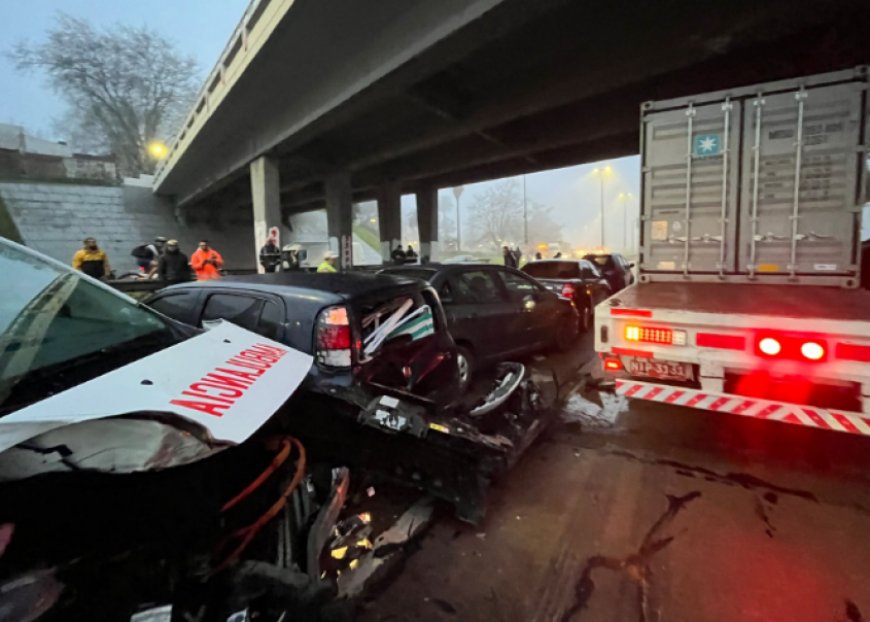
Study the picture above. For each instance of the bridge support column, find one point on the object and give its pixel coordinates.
(339, 218)
(389, 218)
(266, 195)
(427, 223)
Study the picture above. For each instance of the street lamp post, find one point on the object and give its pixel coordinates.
(457, 192)
(602, 173)
(525, 216)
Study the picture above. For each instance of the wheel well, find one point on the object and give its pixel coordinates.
(465, 344)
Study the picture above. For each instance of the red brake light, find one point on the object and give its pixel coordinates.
(813, 350)
(769, 346)
(334, 338)
(612, 364)
(568, 290)
(794, 347)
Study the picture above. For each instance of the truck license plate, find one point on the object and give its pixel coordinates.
(664, 370)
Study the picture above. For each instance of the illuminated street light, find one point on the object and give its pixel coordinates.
(157, 150)
(602, 173)
(373, 220)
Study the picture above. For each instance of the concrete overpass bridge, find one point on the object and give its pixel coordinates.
(320, 103)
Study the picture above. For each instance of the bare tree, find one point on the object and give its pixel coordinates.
(497, 216)
(125, 86)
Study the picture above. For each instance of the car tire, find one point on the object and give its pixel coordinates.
(465, 363)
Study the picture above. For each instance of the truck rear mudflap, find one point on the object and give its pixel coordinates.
(797, 414)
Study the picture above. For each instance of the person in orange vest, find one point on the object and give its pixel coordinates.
(206, 262)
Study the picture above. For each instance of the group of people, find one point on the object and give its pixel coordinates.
(401, 256)
(162, 259)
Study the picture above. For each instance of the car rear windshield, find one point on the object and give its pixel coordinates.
(404, 318)
(553, 270)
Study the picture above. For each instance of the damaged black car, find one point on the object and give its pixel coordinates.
(384, 390)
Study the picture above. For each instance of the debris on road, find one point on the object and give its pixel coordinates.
(376, 566)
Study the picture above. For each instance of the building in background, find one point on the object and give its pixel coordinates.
(27, 157)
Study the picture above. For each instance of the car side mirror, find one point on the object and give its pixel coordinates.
(530, 302)
(631, 265)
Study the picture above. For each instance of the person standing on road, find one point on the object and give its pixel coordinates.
(173, 266)
(270, 256)
(538, 256)
(410, 255)
(92, 260)
(510, 259)
(206, 262)
(328, 263)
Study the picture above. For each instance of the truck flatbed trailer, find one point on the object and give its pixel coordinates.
(805, 303)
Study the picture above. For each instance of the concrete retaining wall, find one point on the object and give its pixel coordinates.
(54, 218)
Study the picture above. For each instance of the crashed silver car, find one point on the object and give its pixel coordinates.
(139, 472)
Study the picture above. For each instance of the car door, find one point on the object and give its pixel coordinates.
(480, 314)
(537, 306)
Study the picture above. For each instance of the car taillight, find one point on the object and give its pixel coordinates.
(568, 290)
(334, 338)
(795, 347)
(650, 334)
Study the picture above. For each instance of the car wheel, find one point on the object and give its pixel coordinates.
(465, 364)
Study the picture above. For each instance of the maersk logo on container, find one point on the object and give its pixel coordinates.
(707, 145)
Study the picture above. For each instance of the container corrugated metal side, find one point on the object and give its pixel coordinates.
(761, 183)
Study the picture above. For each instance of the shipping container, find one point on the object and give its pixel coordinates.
(756, 184)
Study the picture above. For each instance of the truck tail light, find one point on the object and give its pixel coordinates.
(661, 336)
(611, 363)
(793, 347)
(769, 346)
(568, 290)
(334, 338)
(813, 351)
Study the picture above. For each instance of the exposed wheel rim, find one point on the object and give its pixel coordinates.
(464, 369)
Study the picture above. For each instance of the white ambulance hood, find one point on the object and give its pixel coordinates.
(224, 384)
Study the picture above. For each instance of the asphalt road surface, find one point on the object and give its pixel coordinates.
(655, 514)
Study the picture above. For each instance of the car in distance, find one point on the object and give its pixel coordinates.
(615, 268)
(577, 280)
(495, 313)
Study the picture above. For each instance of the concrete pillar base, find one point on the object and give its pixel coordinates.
(266, 195)
(427, 223)
(339, 218)
(389, 219)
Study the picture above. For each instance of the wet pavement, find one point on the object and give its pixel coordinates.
(654, 513)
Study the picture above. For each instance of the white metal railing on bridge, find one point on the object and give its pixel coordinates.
(259, 20)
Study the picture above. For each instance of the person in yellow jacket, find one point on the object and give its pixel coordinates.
(92, 260)
(328, 264)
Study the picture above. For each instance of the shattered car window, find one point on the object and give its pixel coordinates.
(56, 324)
(402, 317)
